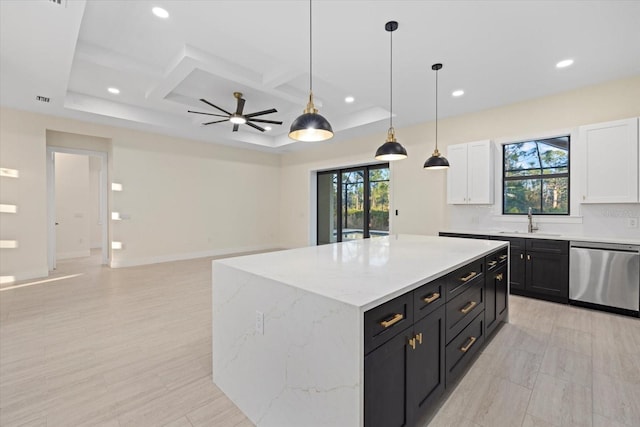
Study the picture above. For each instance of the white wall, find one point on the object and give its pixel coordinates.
(95, 225)
(420, 196)
(72, 205)
(184, 198)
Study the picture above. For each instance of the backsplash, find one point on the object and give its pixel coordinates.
(598, 220)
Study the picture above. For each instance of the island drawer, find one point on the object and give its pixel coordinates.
(460, 351)
(464, 277)
(496, 259)
(463, 308)
(428, 297)
(387, 320)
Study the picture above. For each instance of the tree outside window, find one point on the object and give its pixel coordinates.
(536, 176)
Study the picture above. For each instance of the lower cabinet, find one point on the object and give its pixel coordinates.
(408, 366)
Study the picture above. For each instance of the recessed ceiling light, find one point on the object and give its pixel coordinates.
(114, 90)
(267, 128)
(160, 12)
(457, 93)
(349, 99)
(564, 63)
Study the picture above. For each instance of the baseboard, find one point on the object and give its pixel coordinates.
(76, 254)
(120, 263)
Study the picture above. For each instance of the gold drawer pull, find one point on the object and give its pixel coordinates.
(492, 263)
(521, 256)
(390, 322)
(412, 343)
(499, 277)
(469, 344)
(419, 338)
(469, 276)
(431, 298)
(467, 308)
(502, 257)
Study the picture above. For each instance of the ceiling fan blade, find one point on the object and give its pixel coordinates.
(240, 106)
(235, 127)
(265, 121)
(254, 126)
(217, 121)
(206, 114)
(260, 113)
(215, 106)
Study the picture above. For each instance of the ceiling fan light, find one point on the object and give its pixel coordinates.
(237, 120)
(310, 127)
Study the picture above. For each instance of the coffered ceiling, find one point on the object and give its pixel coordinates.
(498, 52)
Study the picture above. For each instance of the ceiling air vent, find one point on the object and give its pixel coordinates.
(42, 98)
(56, 1)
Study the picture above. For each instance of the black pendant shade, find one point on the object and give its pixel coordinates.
(391, 150)
(310, 126)
(436, 161)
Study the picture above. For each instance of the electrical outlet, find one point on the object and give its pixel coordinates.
(632, 222)
(260, 322)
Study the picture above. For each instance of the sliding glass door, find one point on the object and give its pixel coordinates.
(353, 203)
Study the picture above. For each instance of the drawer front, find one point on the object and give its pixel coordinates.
(463, 278)
(496, 259)
(428, 297)
(549, 246)
(462, 309)
(460, 351)
(387, 320)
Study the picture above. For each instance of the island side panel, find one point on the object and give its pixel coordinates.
(305, 370)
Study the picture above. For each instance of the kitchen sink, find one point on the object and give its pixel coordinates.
(529, 234)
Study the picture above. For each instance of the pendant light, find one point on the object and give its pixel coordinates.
(436, 161)
(310, 126)
(391, 149)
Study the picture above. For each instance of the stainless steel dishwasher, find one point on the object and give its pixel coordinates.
(605, 274)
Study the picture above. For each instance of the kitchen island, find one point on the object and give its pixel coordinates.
(290, 328)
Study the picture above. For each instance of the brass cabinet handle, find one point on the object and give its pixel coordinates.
(492, 263)
(390, 322)
(467, 308)
(412, 343)
(431, 298)
(469, 276)
(499, 277)
(502, 257)
(521, 256)
(528, 257)
(469, 344)
(419, 338)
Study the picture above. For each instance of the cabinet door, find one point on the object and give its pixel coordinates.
(517, 262)
(548, 274)
(457, 174)
(495, 298)
(385, 383)
(615, 180)
(426, 366)
(479, 173)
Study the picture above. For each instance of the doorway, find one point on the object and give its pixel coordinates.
(352, 203)
(77, 205)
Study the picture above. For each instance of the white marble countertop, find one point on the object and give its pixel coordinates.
(542, 235)
(365, 273)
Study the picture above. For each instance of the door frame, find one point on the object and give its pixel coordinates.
(51, 201)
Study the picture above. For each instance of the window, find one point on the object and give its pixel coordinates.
(536, 175)
(353, 203)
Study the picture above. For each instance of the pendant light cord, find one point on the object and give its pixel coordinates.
(391, 83)
(436, 110)
(310, 49)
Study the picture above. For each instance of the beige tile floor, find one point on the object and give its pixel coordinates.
(132, 347)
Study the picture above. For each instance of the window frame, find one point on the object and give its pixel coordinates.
(540, 177)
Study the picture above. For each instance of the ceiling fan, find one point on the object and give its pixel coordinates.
(238, 118)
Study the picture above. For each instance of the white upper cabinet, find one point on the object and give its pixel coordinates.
(610, 162)
(470, 174)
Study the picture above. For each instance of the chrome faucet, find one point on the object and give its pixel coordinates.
(531, 227)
